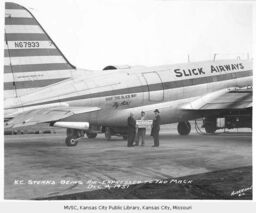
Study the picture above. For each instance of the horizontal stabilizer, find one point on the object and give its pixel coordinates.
(46, 115)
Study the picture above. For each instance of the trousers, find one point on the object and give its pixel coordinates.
(156, 138)
(141, 134)
(131, 137)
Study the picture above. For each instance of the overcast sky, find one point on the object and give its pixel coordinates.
(96, 33)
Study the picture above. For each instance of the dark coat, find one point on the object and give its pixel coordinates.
(156, 125)
(131, 124)
(131, 131)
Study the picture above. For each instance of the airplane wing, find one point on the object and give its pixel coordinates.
(226, 99)
(46, 115)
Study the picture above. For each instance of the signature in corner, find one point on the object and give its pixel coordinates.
(241, 192)
(123, 103)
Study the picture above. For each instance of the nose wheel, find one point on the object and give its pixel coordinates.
(73, 135)
(71, 141)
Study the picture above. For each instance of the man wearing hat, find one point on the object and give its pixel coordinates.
(141, 131)
(156, 128)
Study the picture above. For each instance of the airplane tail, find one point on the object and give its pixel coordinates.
(31, 59)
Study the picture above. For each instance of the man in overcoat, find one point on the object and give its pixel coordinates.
(156, 128)
(131, 130)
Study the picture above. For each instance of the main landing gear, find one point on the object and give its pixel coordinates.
(108, 133)
(210, 125)
(91, 135)
(114, 131)
(184, 128)
(73, 135)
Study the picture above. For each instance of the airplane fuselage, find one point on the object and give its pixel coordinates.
(120, 92)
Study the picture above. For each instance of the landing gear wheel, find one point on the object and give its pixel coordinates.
(210, 124)
(108, 133)
(73, 136)
(71, 141)
(210, 129)
(91, 135)
(184, 128)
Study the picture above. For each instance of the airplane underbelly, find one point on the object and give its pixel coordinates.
(169, 112)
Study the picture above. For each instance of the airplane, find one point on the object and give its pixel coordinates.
(41, 86)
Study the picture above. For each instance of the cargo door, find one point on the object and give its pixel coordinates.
(155, 86)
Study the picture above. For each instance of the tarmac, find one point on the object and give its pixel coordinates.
(42, 166)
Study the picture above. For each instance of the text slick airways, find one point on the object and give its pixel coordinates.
(214, 69)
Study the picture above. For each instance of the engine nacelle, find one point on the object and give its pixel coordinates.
(115, 67)
(72, 125)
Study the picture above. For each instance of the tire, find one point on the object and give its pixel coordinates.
(184, 128)
(210, 129)
(91, 135)
(70, 141)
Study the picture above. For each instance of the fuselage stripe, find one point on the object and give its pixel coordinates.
(167, 85)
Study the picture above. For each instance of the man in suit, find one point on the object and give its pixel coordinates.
(131, 130)
(156, 128)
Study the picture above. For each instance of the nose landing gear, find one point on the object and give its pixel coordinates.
(73, 135)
